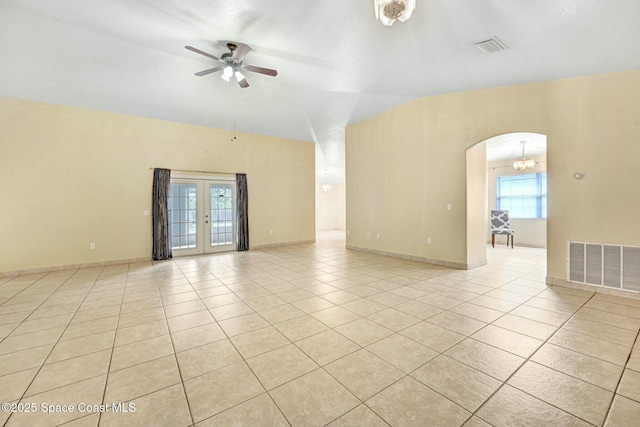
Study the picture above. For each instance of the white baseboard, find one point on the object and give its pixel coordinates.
(554, 281)
(71, 267)
(450, 264)
(275, 245)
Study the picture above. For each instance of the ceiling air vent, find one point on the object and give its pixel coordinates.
(491, 45)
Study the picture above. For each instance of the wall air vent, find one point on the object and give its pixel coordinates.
(611, 266)
(491, 45)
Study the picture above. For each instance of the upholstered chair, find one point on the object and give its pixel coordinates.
(500, 225)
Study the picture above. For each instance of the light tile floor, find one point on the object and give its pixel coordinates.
(314, 335)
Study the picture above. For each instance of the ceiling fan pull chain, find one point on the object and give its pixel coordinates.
(235, 102)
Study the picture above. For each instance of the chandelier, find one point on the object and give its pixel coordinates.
(523, 163)
(387, 11)
(326, 186)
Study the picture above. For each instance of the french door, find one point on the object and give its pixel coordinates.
(202, 216)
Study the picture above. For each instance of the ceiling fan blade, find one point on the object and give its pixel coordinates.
(208, 55)
(243, 83)
(241, 51)
(261, 70)
(209, 71)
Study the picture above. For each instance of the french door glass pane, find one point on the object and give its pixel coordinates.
(221, 214)
(183, 215)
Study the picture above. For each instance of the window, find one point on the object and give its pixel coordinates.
(524, 196)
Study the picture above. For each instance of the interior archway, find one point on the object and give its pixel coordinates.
(486, 161)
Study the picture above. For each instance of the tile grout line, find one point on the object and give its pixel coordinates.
(361, 348)
(409, 374)
(624, 368)
(290, 343)
(37, 307)
(175, 354)
(306, 268)
(244, 360)
(442, 354)
(268, 392)
(115, 335)
(58, 341)
(530, 296)
(505, 313)
(475, 413)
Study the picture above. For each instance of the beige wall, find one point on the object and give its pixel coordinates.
(72, 176)
(477, 214)
(528, 232)
(330, 207)
(405, 165)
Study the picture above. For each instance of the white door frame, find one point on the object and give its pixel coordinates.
(203, 221)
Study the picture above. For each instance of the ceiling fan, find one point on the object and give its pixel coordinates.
(232, 63)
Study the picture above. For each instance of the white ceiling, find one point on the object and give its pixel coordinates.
(509, 146)
(337, 64)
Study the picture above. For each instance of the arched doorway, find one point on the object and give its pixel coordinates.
(491, 180)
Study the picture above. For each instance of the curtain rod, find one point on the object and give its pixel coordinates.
(195, 171)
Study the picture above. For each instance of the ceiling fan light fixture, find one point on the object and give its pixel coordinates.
(232, 64)
(388, 11)
(227, 73)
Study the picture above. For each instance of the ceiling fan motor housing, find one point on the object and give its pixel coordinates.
(228, 56)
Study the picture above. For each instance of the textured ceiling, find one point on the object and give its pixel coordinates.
(509, 146)
(336, 64)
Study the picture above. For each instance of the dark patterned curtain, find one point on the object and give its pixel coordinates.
(160, 216)
(242, 212)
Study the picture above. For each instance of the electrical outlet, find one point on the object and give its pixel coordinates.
(368, 234)
(429, 240)
(92, 245)
(145, 213)
(270, 231)
(448, 206)
(348, 232)
(378, 235)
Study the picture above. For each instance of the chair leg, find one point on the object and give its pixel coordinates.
(493, 240)
(512, 241)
